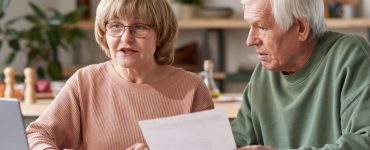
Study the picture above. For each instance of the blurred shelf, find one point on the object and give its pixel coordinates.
(241, 24)
(219, 75)
(213, 24)
(85, 24)
(348, 23)
(243, 76)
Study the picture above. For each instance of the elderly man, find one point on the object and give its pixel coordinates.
(311, 89)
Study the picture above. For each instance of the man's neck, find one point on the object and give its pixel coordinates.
(308, 49)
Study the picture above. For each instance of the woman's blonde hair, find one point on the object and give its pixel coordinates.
(154, 12)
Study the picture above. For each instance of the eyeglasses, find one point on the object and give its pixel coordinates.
(139, 30)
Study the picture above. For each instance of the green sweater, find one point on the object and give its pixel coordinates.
(325, 105)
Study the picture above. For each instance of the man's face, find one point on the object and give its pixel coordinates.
(276, 50)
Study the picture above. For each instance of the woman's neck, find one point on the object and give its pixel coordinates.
(150, 74)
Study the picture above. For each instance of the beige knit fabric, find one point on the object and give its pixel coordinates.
(98, 110)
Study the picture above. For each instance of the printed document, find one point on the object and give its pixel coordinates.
(206, 130)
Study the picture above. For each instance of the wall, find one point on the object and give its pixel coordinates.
(365, 8)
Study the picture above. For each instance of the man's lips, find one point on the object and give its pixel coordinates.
(262, 56)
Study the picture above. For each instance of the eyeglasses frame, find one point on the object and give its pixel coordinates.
(130, 29)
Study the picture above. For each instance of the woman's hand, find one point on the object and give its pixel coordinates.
(256, 147)
(138, 146)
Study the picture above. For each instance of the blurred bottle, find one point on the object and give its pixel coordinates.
(208, 79)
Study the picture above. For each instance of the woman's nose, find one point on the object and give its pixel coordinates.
(126, 35)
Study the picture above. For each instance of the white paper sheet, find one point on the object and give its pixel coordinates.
(206, 130)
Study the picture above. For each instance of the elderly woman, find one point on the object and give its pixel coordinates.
(100, 105)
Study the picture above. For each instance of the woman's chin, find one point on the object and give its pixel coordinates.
(124, 63)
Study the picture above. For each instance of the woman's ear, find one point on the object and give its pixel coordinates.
(303, 28)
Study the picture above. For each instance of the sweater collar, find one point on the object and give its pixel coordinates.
(321, 49)
(159, 85)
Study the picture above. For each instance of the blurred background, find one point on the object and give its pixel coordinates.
(209, 29)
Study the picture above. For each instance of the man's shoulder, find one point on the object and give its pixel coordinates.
(344, 45)
(356, 42)
(345, 40)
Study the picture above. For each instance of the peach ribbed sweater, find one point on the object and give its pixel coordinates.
(99, 110)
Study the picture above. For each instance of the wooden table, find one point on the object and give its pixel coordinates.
(231, 106)
(230, 102)
(35, 110)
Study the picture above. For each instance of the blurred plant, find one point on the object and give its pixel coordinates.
(45, 36)
(8, 36)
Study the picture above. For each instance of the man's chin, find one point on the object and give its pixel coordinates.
(269, 67)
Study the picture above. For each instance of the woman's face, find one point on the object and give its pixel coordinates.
(135, 47)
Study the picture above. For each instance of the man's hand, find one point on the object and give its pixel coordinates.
(138, 146)
(256, 147)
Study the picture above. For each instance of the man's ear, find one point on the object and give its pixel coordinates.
(303, 28)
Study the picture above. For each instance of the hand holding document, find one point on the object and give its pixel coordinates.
(206, 130)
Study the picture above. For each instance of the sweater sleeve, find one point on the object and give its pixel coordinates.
(242, 126)
(355, 122)
(356, 125)
(202, 98)
(355, 99)
(59, 126)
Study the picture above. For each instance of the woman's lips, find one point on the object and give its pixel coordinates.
(127, 51)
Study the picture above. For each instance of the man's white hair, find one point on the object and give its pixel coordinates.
(286, 11)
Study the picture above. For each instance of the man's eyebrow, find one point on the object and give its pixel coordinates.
(254, 20)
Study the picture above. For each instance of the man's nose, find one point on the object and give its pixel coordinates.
(252, 38)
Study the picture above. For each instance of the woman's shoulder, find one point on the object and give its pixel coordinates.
(180, 74)
(93, 69)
